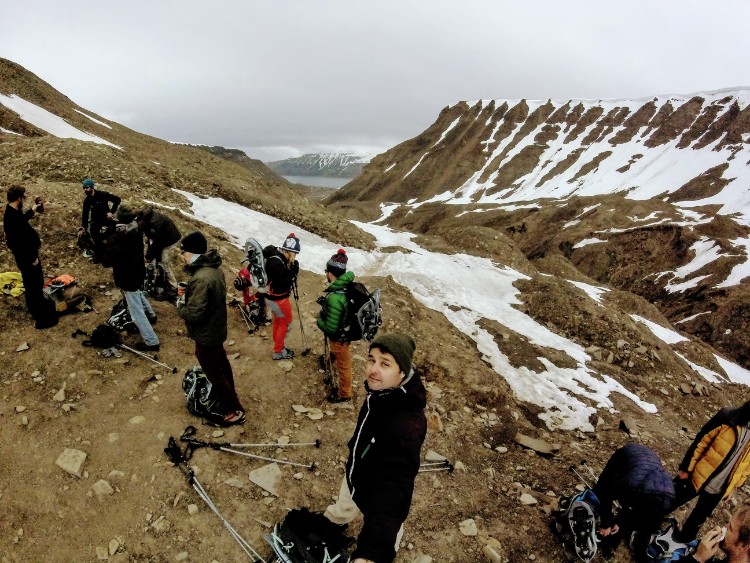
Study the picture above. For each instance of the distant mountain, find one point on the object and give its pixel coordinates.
(241, 158)
(331, 165)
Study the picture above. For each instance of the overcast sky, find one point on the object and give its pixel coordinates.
(277, 78)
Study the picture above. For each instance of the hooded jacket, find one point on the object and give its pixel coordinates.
(21, 237)
(123, 252)
(205, 309)
(161, 232)
(334, 307)
(713, 445)
(384, 457)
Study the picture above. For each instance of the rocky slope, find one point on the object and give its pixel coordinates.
(625, 192)
(130, 504)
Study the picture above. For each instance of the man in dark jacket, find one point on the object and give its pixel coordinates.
(715, 464)
(24, 242)
(98, 213)
(203, 307)
(733, 540)
(634, 476)
(163, 236)
(332, 315)
(123, 251)
(282, 269)
(384, 452)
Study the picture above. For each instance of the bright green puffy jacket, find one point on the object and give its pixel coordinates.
(334, 307)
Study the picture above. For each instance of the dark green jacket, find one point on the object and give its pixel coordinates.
(205, 307)
(334, 307)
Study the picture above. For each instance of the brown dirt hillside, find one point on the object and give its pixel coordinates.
(121, 412)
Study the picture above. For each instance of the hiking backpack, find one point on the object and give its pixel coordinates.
(363, 317)
(120, 319)
(197, 390)
(155, 282)
(256, 264)
(663, 547)
(576, 521)
(308, 537)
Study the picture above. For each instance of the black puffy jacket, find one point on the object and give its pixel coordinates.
(123, 252)
(21, 237)
(281, 275)
(384, 456)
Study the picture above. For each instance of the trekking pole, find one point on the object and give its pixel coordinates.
(178, 459)
(246, 318)
(327, 367)
(190, 431)
(194, 444)
(585, 484)
(430, 467)
(141, 354)
(306, 350)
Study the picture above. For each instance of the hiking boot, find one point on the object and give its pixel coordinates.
(143, 347)
(285, 354)
(335, 398)
(232, 418)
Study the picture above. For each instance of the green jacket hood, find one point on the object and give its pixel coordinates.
(209, 259)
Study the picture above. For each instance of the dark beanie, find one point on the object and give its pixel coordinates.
(337, 263)
(194, 242)
(398, 345)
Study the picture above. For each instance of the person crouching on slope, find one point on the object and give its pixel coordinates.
(203, 307)
(332, 315)
(384, 451)
(282, 269)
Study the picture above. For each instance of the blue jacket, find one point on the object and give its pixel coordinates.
(635, 477)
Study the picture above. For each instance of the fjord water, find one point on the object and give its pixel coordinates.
(318, 181)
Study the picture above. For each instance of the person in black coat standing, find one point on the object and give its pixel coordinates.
(24, 242)
(634, 476)
(384, 452)
(98, 215)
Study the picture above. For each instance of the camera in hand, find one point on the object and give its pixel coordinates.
(39, 204)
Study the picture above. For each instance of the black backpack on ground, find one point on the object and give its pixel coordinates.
(197, 390)
(103, 336)
(308, 537)
(576, 521)
(120, 319)
(363, 313)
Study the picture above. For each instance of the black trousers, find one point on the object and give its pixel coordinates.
(707, 502)
(218, 370)
(33, 283)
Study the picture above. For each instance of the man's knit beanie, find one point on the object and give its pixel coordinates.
(88, 183)
(194, 242)
(291, 244)
(398, 345)
(337, 263)
(124, 213)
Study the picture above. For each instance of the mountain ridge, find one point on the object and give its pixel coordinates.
(332, 165)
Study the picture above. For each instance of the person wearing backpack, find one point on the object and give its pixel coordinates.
(123, 252)
(733, 540)
(384, 451)
(163, 236)
(24, 243)
(332, 315)
(282, 269)
(99, 208)
(633, 476)
(714, 466)
(203, 307)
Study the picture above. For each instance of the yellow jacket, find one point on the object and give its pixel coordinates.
(713, 444)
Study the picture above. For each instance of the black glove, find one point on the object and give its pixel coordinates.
(321, 300)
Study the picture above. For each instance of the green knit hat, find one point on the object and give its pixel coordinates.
(398, 345)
